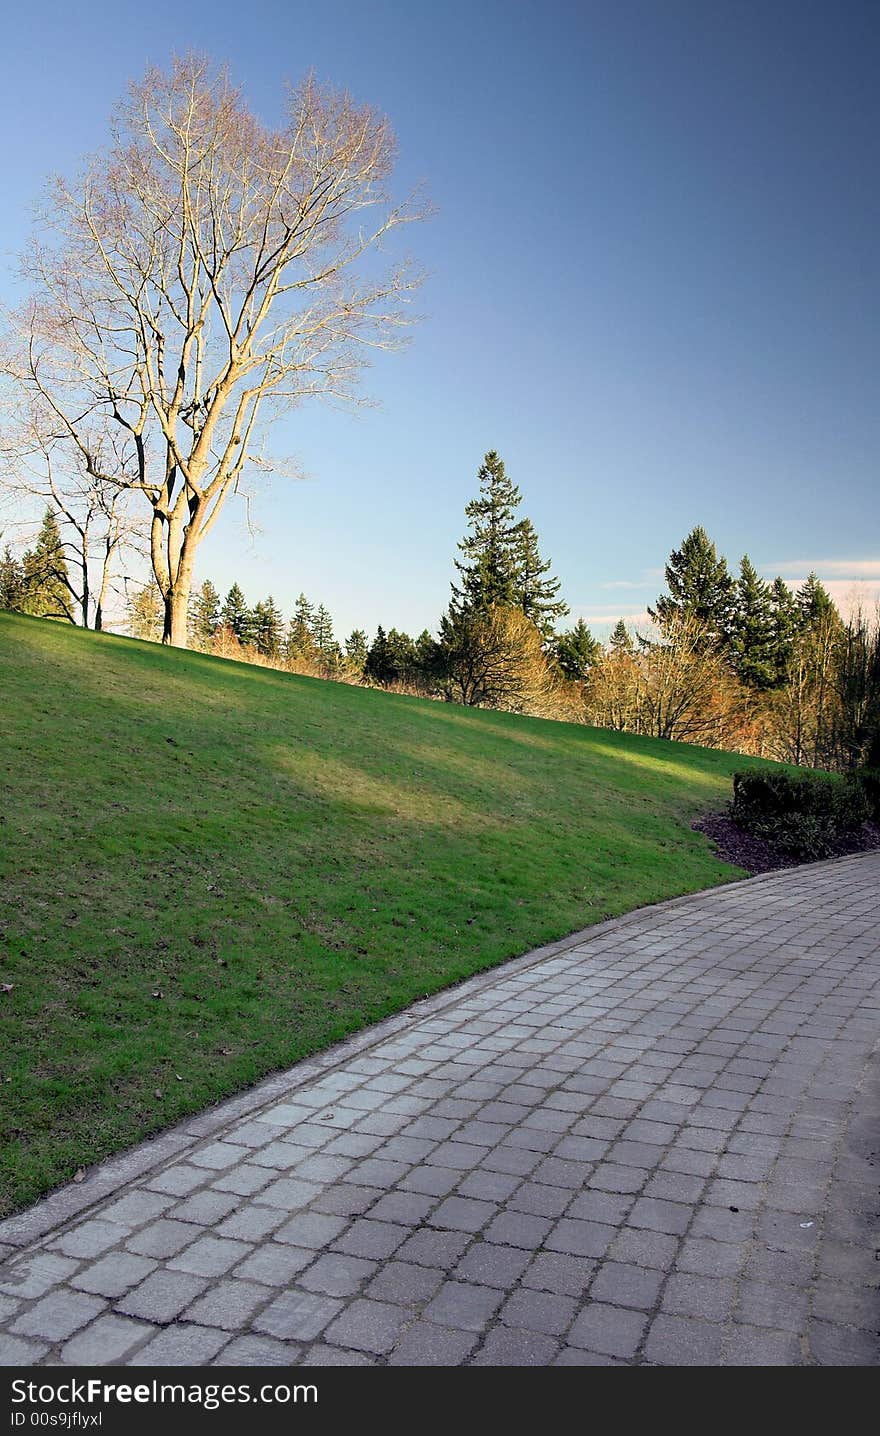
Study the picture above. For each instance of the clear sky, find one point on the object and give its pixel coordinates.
(653, 279)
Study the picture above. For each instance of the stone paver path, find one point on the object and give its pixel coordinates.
(652, 1144)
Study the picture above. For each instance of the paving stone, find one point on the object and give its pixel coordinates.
(563, 1275)
(755, 1346)
(105, 1341)
(164, 1238)
(15, 1351)
(404, 1283)
(679, 1341)
(707, 1297)
(183, 1345)
(621, 1284)
(373, 1240)
(114, 1274)
(178, 1180)
(257, 1351)
(589, 1239)
(136, 1207)
(297, 1315)
(611, 1330)
(337, 1274)
(207, 1207)
(229, 1303)
(462, 1305)
(91, 1238)
(275, 1265)
(210, 1256)
(506, 1346)
(311, 1229)
(162, 1296)
(57, 1315)
(368, 1326)
(539, 1311)
(425, 1344)
(35, 1274)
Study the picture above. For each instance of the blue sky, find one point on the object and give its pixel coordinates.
(653, 280)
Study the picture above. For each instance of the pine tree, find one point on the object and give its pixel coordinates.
(299, 644)
(488, 563)
(532, 592)
(356, 649)
(11, 581)
(699, 586)
(266, 628)
(47, 592)
(378, 662)
(752, 639)
(786, 618)
(621, 639)
(204, 615)
(234, 614)
(814, 601)
(322, 629)
(145, 613)
(576, 651)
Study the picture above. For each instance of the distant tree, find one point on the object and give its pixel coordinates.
(391, 659)
(234, 614)
(356, 648)
(699, 587)
(47, 588)
(322, 629)
(621, 640)
(576, 651)
(495, 659)
(814, 601)
(11, 581)
(204, 615)
(858, 692)
(266, 628)
(488, 566)
(752, 632)
(786, 621)
(299, 645)
(686, 691)
(144, 613)
(533, 592)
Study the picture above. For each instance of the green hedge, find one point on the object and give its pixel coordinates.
(800, 813)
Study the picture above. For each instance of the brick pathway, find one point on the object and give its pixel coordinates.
(650, 1144)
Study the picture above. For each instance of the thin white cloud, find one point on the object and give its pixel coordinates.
(839, 568)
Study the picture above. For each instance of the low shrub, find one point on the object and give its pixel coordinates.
(869, 778)
(799, 813)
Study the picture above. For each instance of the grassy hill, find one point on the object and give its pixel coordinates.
(283, 860)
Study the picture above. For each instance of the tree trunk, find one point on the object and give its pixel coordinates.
(175, 628)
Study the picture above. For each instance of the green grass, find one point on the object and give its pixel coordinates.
(284, 860)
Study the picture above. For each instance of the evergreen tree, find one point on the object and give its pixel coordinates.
(752, 639)
(378, 664)
(234, 614)
(266, 628)
(47, 591)
(11, 581)
(204, 615)
(299, 644)
(428, 659)
(786, 619)
(322, 630)
(621, 639)
(699, 586)
(489, 552)
(532, 592)
(145, 613)
(576, 651)
(815, 602)
(356, 649)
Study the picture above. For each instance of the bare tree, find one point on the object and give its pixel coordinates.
(94, 513)
(201, 277)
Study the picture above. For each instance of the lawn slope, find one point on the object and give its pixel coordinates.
(282, 860)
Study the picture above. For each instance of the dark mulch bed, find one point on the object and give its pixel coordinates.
(757, 856)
